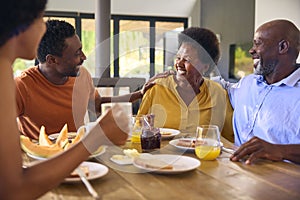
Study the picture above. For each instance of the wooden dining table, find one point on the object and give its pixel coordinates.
(218, 179)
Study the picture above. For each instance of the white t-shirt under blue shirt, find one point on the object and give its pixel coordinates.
(270, 112)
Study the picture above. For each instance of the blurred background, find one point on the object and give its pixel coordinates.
(138, 38)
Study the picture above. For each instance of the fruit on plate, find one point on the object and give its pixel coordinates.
(79, 135)
(45, 148)
(39, 150)
(62, 138)
(43, 138)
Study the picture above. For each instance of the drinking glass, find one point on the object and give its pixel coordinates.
(125, 106)
(137, 125)
(207, 145)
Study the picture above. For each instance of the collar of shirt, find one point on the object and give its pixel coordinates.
(290, 81)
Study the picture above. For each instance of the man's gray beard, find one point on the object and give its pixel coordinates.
(262, 70)
(258, 69)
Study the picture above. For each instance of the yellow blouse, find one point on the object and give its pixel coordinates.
(210, 106)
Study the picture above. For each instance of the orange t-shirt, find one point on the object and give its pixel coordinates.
(39, 102)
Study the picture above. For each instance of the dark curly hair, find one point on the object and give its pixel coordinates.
(204, 40)
(17, 15)
(53, 42)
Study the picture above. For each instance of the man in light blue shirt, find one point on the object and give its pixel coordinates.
(268, 111)
(267, 103)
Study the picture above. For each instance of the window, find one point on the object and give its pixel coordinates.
(134, 42)
(166, 44)
(240, 61)
(141, 46)
(146, 45)
(88, 40)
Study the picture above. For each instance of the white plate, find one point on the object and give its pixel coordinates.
(97, 153)
(36, 157)
(127, 160)
(121, 159)
(54, 136)
(189, 140)
(96, 170)
(173, 132)
(180, 163)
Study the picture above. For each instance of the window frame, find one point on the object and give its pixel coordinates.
(116, 20)
(116, 30)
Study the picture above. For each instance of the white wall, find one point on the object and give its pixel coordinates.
(175, 8)
(85, 6)
(194, 19)
(233, 20)
(267, 10)
(164, 8)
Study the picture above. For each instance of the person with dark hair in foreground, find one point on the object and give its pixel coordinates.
(21, 28)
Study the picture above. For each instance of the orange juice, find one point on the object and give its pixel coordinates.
(207, 149)
(207, 152)
(136, 141)
(136, 138)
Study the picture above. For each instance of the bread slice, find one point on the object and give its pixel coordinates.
(186, 143)
(165, 133)
(84, 169)
(153, 164)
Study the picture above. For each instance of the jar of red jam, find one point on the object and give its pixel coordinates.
(150, 137)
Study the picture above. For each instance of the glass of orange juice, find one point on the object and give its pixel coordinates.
(137, 123)
(207, 145)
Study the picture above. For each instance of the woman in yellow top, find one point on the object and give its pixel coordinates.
(188, 99)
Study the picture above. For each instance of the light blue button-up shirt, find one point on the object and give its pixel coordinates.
(270, 112)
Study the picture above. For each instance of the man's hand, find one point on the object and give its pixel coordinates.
(257, 148)
(150, 83)
(146, 86)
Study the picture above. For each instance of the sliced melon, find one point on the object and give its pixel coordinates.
(62, 138)
(43, 138)
(80, 134)
(38, 150)
(69, 144)
(78, 137)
